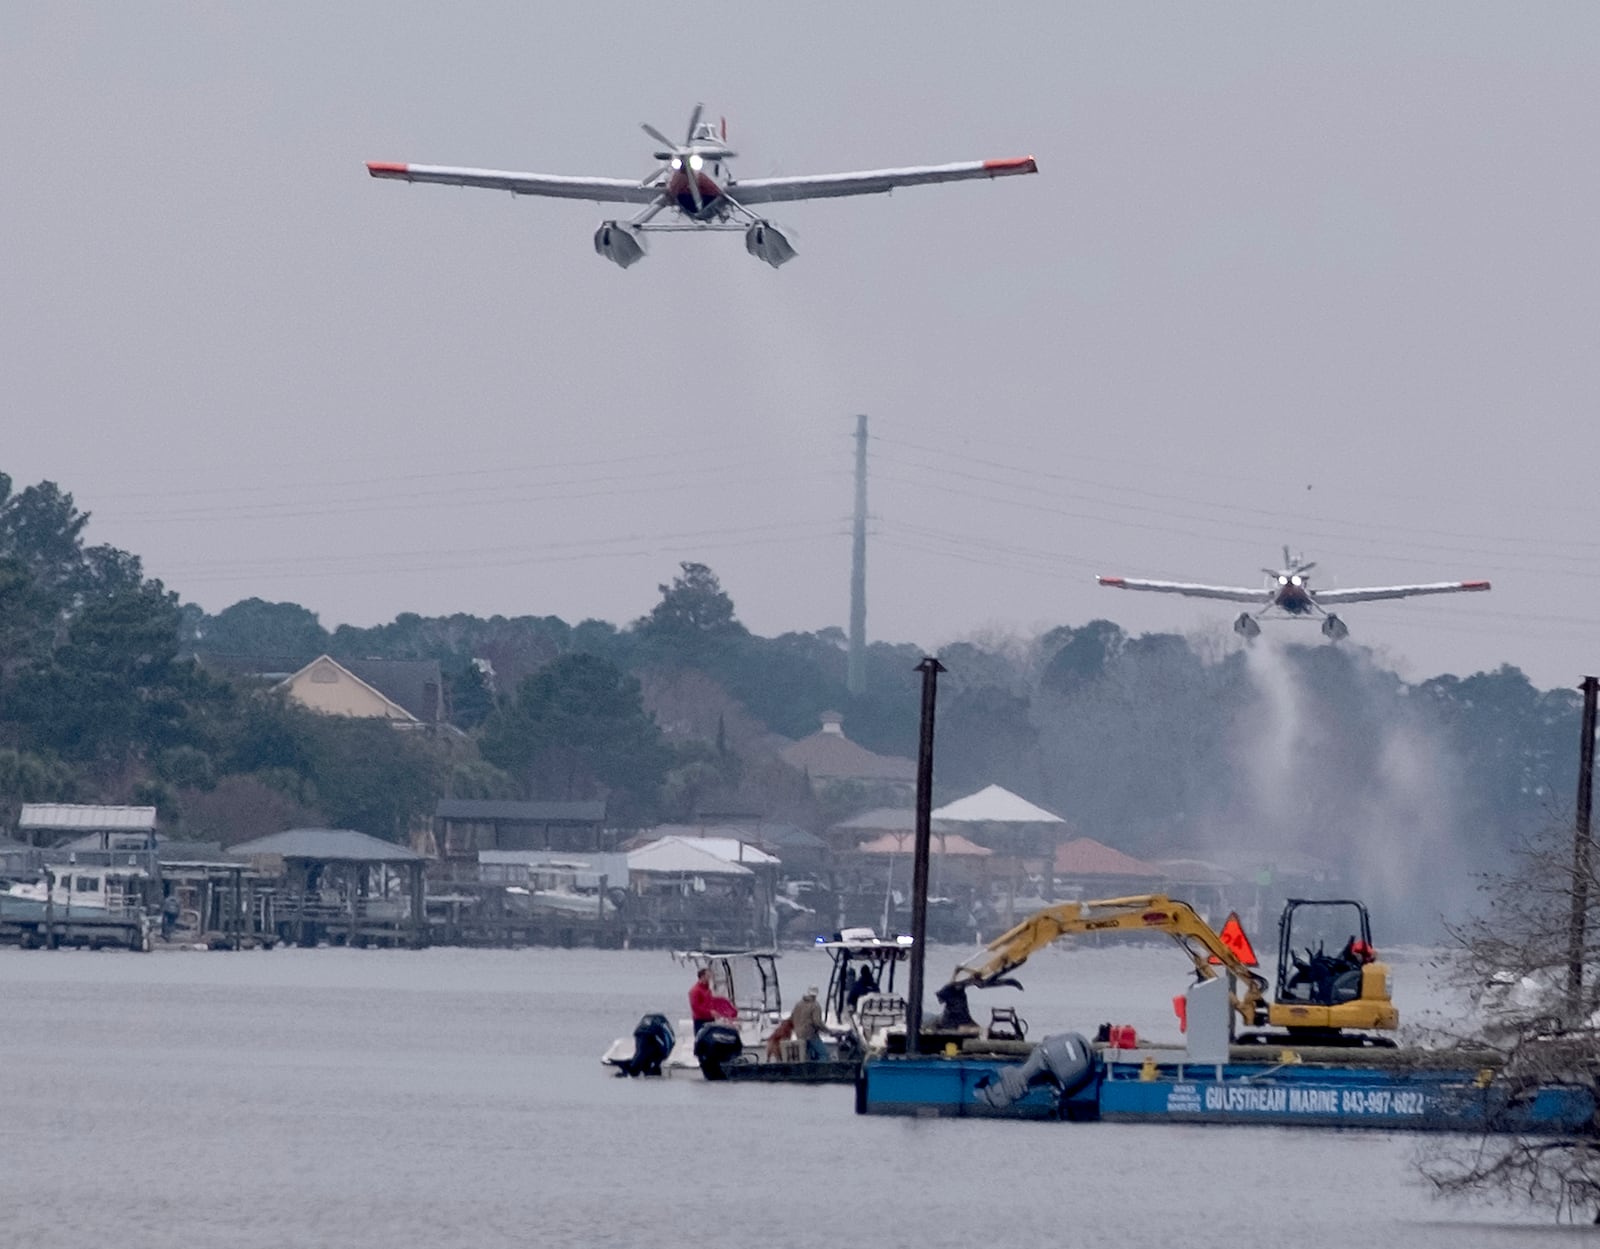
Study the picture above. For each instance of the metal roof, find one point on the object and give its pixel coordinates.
(672, 856)
(334, 845)
(85, 817)
(526, 812)
(728, 849)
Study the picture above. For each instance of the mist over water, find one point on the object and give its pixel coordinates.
(1341, 768)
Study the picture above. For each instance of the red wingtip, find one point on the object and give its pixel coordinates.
(1109, 580)
(385, 169)
(1474, 585)
(1017, 164)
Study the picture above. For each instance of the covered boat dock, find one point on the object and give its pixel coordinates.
(342, 887)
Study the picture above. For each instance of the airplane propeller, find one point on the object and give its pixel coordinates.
(656, 135)
(687, 155)
(1291, 566)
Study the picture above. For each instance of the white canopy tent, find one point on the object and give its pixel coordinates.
(994, 804)
(1013, 822)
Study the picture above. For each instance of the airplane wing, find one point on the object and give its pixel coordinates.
(558, 186)
(1374, 593)
(1233, 594)
(872, 181)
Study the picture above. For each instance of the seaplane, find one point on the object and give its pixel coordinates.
(1288, 595)
(696, 189)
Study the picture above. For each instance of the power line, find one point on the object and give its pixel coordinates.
(1140, 469)
(1229, 531)
(459, 501)
(651, 551)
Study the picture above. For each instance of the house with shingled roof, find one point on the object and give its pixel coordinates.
(407, 692)
(833, 762)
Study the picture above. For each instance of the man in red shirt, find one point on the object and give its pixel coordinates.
(705, 1006)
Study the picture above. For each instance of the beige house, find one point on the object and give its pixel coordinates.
(327, 686)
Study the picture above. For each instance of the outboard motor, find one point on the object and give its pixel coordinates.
(716, 1045)
(765, 241)
(1064, 1060)
(652, 1046)
(619, 243)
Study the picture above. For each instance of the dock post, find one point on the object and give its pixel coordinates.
(419, 906)
(930, 669)
(1582, 846)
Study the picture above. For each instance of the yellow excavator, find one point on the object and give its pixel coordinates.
(1321, 998)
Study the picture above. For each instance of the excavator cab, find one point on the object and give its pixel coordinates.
(1329, 977)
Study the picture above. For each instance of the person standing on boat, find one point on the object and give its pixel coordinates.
(807, 1020)
(704, 1004)
(861, 984)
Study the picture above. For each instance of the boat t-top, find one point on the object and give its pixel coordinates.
(861, 1006)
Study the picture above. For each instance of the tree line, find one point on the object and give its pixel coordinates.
(1156, 743)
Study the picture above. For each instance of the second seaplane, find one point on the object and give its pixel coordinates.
(696, 189)
(1288, 594)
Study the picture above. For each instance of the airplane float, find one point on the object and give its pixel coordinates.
(1288, 595)
(696, 185)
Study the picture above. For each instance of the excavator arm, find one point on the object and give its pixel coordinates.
(1142, 913)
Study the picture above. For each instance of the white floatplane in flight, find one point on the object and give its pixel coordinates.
(696, 185)
(1288, 595)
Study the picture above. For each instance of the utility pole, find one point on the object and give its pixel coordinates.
(930, 669)
(1582, 847)
(856, 665)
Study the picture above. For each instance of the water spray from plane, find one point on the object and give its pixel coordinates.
(1366, 789)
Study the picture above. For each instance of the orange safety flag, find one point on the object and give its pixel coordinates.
(1233, 937)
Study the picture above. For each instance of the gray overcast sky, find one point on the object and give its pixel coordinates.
(1316, 274)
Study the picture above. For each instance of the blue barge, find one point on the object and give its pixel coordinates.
(1394, 1089)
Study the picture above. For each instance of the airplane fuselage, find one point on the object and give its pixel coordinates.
(1294, 599)
(677, 190)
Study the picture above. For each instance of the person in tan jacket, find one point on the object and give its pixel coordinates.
(807, 1020)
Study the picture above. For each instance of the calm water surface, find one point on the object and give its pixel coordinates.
(426, 1100)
